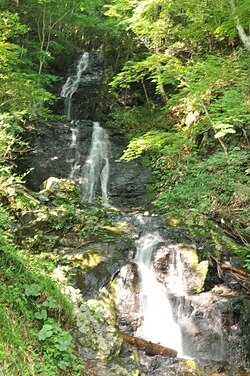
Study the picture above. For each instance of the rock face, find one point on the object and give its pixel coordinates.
(53, 155)
(62, 149)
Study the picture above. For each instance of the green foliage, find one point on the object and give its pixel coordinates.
(33, 290)
(95, 219)
(210, 184)
(202, 91)
(217, 89)
(158, 68)
(22, 90)
(217, 186)
(58, 344)
(157, 143)
(134, 122)
(29, 346)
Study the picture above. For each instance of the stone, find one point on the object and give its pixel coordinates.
(97, 339)
(52, 156)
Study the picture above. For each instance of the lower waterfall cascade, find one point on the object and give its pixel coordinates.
(158, 324)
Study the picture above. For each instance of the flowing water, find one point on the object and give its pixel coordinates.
(158, 325)
(75, 169)
(72, 83)
(95, 172)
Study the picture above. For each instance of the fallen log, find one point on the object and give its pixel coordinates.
(150, 348)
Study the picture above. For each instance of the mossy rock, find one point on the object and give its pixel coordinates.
(60, 190)
(97, 339)
(215, 240)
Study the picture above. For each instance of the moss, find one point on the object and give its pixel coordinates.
(87, 260)
(173, 221)
(247, 304)
(60, 191)
(215, 241)
(190, 367)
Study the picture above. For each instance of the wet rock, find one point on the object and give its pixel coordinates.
(53, 155)
(94, 265)
(190, 276)
(97, 339)
(128, 300)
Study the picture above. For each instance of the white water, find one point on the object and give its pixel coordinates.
(96, 169)
(75, 170)
(72, 83)
(175, 280)
(159, 325)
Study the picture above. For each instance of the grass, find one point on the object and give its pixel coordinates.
(25, 291)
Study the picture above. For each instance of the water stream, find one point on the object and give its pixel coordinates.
(158, 325)
(75, 169)
(93, 176)
(160, 315)
(72, 83)
(95, 172)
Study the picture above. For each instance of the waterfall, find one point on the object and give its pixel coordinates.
(95, 172)
(75, 170)
(159, 325)
(72, 83)
(175, 277)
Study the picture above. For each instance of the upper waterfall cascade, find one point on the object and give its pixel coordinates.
(96, 169)
(94, 174)
(72, 83)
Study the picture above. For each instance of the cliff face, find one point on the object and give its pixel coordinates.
(62, 148)
(53, 155)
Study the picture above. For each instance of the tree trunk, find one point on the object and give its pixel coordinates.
(245, 39)
(150, 348)
(146, 95)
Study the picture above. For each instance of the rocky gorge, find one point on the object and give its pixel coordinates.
(97, 264)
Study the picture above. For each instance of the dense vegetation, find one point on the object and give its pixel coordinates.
(183, 98)
(177, 85)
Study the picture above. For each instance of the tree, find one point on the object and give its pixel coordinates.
(245, 39)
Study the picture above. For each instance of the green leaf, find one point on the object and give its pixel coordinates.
(33, 290)
(63, 344)
(62, 364)
(50, 302)
(45, 332)
(42, 315)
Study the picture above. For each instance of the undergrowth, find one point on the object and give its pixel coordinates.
(34, 316)
(216, 186)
